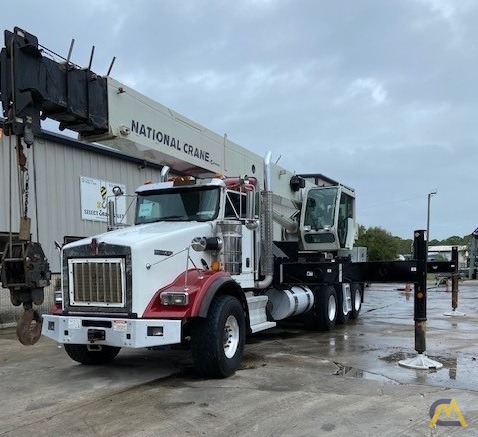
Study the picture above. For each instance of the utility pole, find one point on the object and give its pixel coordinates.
(430, 194)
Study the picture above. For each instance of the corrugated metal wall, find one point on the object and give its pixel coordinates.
(58, 164)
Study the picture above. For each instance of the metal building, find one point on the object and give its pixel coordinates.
(70, 184)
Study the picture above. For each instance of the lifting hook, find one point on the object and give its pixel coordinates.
(28, 334)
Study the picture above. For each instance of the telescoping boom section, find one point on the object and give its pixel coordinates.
(224, 245)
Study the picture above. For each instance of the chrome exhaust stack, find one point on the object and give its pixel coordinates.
(267, 259)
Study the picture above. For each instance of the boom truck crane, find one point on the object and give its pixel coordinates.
(228, 248)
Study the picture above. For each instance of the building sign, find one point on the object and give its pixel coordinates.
(95, 195)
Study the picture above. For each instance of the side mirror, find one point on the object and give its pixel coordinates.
(57, 246)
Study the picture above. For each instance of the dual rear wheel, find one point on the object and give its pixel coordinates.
(327, 310)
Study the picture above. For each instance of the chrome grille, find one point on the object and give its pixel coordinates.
(97, 281)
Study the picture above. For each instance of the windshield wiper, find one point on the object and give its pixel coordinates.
(173, 217)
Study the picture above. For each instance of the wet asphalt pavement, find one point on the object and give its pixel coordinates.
(292, 382)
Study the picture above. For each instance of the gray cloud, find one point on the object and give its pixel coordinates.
(379, 95)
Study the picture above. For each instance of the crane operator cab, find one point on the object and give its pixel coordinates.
(327, 219)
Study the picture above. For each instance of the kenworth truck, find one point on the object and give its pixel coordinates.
(225, 245)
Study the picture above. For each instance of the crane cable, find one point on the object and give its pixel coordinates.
(27, 333)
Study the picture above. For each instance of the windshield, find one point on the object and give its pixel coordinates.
(178, 204)
(320, 208)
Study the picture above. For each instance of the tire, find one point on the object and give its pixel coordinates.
(81, 354)
(217, 342)
(342, 318)
(323, 315)
(356, 292)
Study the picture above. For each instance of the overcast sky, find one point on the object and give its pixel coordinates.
(380, 95)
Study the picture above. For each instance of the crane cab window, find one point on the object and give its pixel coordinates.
(346, 211)
(320, 208)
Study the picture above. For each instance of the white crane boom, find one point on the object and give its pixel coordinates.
(139, 126)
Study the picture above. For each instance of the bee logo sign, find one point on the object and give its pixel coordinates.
(95, 195)
(446, 407)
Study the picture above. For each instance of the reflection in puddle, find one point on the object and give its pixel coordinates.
(343, 370)
(462, 368)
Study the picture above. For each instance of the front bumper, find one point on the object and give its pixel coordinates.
(133, 333)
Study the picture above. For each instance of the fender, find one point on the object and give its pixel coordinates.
(201, 288)
(204, 299)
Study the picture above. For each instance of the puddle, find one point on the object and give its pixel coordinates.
(457, 371)
(343, 370)
(396, 357)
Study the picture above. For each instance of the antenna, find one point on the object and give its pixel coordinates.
(91, 57)
(111, 65)
(70, 51)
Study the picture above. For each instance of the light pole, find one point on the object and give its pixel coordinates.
(430, 194)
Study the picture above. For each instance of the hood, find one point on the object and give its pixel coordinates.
(140, 234)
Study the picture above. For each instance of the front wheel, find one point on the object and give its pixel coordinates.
(91, 356)
(217, 342)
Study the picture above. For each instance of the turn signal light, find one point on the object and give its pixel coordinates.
(216, 266)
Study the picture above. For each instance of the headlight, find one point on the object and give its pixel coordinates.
(174, 298)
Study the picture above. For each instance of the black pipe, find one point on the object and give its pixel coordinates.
(420, 296)
(454, 278)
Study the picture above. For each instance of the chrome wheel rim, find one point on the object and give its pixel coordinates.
(358, 299)
(231, 336)
(332, 307)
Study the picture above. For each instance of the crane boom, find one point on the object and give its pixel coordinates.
(137, 124)
(102, 109)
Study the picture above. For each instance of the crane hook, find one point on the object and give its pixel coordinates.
(28, 334)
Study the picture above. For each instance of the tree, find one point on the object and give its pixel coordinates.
(455, 240)
(381, 245)
(404, 247)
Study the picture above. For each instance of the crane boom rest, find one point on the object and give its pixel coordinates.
(229, 247)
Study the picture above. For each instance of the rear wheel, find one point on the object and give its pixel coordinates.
(217, 342)
(323, 315)
(342, 318)
(356, 292)
(91, 356)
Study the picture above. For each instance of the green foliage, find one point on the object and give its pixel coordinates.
(440, 257)
(381, 245)
(455, 240)
(404, 247)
